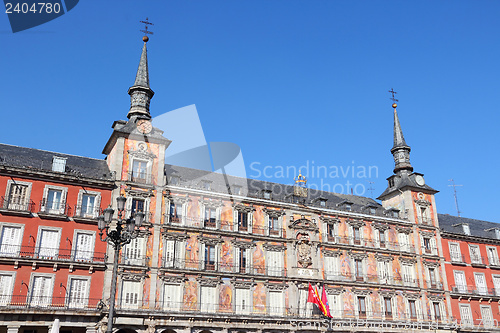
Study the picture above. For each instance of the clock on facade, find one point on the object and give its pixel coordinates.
(144, 126)
(420, 180)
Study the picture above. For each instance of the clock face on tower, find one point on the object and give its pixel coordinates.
(144, 126)
(420, 180)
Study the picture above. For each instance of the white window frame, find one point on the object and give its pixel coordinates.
(27, 198)
(174, 304)
(455, 256)
(487, 322)
(149, 164)
(128, 206)
(217, 215)
(209, 307)
(18, 246)
(481, 289)
(79, 303)
(92, 234)
(177, 259)
(465, 322)
(64, 194)
(139, 292)
(276, 310)
(39, 239)
(183, 210)
(237, 259)
(276, 269)
(97, 203)
(461, 288)
(331, 267)
(492, 260)
(203, 259)
(31, 287)
(6, 294)
(245, 306)
(404, 241)
(475, 258)
(58, 164)
(268, 227)
(126, 260)
(496, 286)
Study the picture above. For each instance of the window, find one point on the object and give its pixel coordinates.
(10, 240)
(497, 233)
(242, 221)
(373, 210)
(427, 245)
(460, 282)
(210, 217)
(466, 229)
(335, 305)
(465, 315)
(482, 289)
(84, 245)
(487, 316)
(274, 263)
(58, 164)
(404, 243)
(171, 297)
(388, 307)
(243, 261)
(6, 286)
(362, 307)
(437, 310)
(174, 253)
(130, 294)
(381, 238)
(493, 256)
(175, 212)
(237, 190)
(347, 207)
(132, 253)
(455, 253)
(78, 291)
(48, 243)
(89, 204)
(243, 297)
(18, 196)
(432, 277)
(276, 303)
(267, 195)
(496, 284)
(408, 274)
(383, 271)
(53, 202)
(330, 230)
(139, 171)
(274, 227)
(475, 254)
(41, 290)
(391, 182)
(137, 206)
(210, 257)
(412, 309)
(357, 235)
(331, 268)
(395, 213)
(174, 180)
(207, 185)
(208, 297)
(359, 269)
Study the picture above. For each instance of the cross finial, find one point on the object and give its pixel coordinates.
(146, 31)
(393, 93)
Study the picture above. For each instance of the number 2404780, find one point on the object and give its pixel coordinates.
(35, 8)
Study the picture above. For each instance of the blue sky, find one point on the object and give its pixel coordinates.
(290, 82)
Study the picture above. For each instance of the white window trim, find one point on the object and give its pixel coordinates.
(38, 239)
(46, 197)
(88, 232)
(268, 231)
(183, 205)
(31, 286)
(97, 203)
(10, 182)
(218, 211)
(139, 298)
(469, 324)
(178, 303)
(459, 254)
(87, 292)
(128, 206)
(6, 299)
(15, 225)
(479, 260)
(149, 167)
(492, 261)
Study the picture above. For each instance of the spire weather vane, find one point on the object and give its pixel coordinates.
(455, 194)
(393, 98)
(146, 31)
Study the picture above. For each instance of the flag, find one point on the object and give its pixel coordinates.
(313, 297)
(324, 300)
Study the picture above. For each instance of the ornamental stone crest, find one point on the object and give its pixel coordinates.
(303, 248)
(303, 224)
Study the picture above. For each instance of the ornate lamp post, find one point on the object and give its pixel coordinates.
(124, 231)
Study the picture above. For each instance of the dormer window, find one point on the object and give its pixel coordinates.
(391, 182)
(373, 210)
(58, 164)
(174, 180)
(348, 207)
(497, 233)
(266, 194)
(395, 213)
(322, 202)
(207, 185)
(466, 229)
(237, 190)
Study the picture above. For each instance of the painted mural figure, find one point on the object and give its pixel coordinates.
(190, 296)
(259, 261)
(226, 260)
(192, 252)
(225, 298)
(259, 298)
(345, 266)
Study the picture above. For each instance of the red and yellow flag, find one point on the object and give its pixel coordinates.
(313, 297)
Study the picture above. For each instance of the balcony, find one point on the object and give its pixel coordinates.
(434, 285)
(474, 290)
(181, 264)
(50, 303)
(476, 260)
(16, 206)
(132, 259)
(494, 262)
(457, 258)
(32, 252)
(86, 213)
(367, 242)
(425, 220)
(140, 177)
(54, 210)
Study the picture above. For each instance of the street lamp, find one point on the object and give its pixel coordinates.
(123, 233)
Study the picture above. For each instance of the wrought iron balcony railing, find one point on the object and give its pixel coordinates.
(371, 278)
(17, 205)
(474, 290)
(37, 252)
(223, 267)
(54, 208)
(367, 242)
(477, 260)
(140, 177)
(51, 303)
(87, 212)
(457, 258)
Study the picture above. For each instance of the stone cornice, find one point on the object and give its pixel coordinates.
(169, 279)
(273, 212)
(242, 208)
(271, 247)
(404, 230)
(209, 240)
(430, 263)
(243, 244)
(355, 223)
(136, 277)
(174, 235)
(380, 257)
(332, 253)
(276, 286)
(329, 220)
(409, 261)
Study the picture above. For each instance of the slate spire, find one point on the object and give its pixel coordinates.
(400, 150)
(140, 93)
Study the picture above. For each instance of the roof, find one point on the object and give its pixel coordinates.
(36, 159)
(478, 228)
(193, 178)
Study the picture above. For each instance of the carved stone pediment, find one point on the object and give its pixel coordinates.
(334, 290)
(422, 202)
(357, 255)
(136, 277)
(209, 240)
(304, 224)
(429, 263)
(243, 284)
(142, 153)
(411, 296)
(427, 233)
(139, 194)
(276, 286)
(271, 247)
(361, 292)
(355, 223)
(380, 257)
(171, 279)
(404, 230)
(242, 244)
(380, 226)
(174, 235)
(273, 212)
(331, 253)
(408, 261)
(207, 282)
(329, 220)
(211, 203)
(243, 208)
(436, 298)
(387, 293)
(177, 199)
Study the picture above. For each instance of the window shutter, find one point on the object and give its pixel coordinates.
(171, 297)
(48, 243)
(433, 246)
(202, 255)
(276, 303)
(5, 288)
(84, 249)
(170, 253)
(10, 241)
(78, 293)
(382, 272)
(237, 258)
